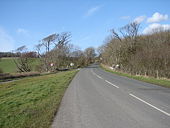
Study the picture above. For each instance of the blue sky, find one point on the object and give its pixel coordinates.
(25, 22)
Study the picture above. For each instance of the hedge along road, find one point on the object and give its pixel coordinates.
(99, 99)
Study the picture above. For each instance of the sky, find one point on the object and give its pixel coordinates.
(26, 22)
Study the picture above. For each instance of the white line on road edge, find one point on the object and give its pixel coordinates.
(99, 76)
(111, 84)
(150, 104)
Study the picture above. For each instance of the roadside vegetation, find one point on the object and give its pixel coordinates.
(142, 55)
(152, 80)
(32, 102)
(53, 53)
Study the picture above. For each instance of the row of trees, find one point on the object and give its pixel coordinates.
(138, 54)
(55, 52)
(9, 54)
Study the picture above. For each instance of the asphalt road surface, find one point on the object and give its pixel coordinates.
(98, 99)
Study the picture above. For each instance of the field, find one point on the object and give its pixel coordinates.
(8, 66)
(161, 82)
(32, 102)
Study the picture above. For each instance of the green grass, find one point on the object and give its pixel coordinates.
(8, 66)
(161, 82)
(32, 102)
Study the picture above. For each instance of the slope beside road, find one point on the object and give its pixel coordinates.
(99, 99)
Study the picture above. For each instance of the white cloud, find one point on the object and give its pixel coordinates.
(22, 31)
(156, 28)
(125, 17)
(6, 41)
(157, 17)
(139, 19)
(92, 10)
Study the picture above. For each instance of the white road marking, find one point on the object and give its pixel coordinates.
(99, 76)
(96, 75)
(111, 84)
(150, 104)
(105, 80)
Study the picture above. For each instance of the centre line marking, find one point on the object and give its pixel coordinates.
(150, 104)
(111, 84)
(99, 76)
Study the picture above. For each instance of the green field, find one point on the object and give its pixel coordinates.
(161, 82)
(8, 66)
(32, 102)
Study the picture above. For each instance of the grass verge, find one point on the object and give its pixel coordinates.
(32, 102)
(161, 82)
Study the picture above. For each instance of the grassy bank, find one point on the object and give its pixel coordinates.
(161, 82)
(32, 102)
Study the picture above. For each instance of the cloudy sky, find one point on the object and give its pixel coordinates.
(25, 22)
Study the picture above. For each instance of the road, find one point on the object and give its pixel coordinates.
(99, 99)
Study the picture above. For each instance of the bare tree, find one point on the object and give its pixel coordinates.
(38, 49)
(59, 53)
(139, 54)
(56, 50)
(90, 54)
(61, 50)
(62, 39)
(77, 57)
(116, 35)
(130, 30)
(47, 41)
(23, 62)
